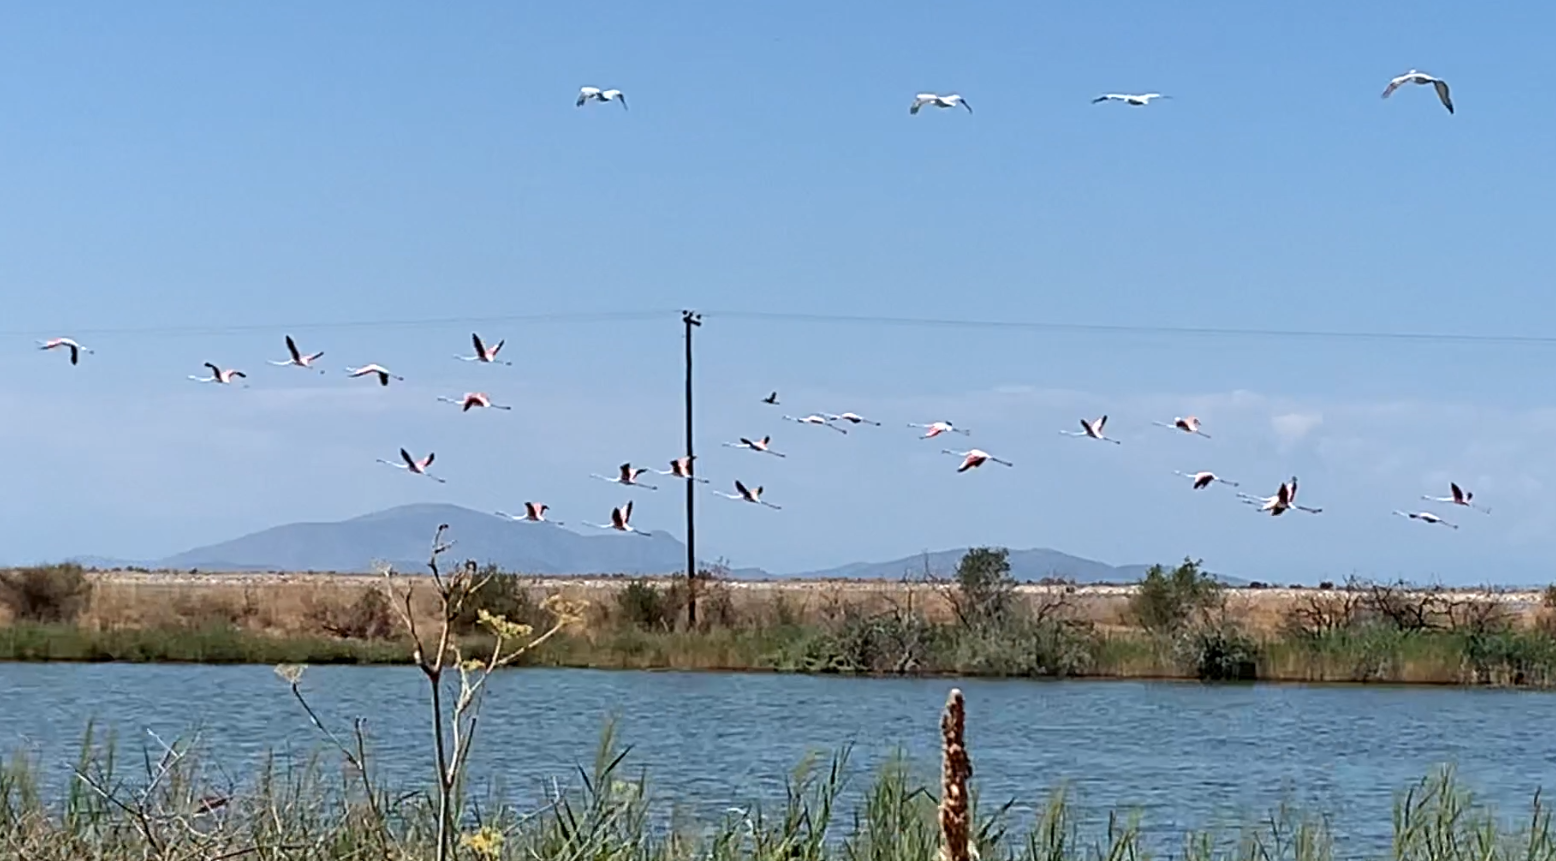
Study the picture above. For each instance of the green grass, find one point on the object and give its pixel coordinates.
(152, 810)
(868, 646)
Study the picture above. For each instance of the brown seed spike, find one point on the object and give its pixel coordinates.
(956, 770)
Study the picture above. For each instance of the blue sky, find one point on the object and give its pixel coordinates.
(184, 182)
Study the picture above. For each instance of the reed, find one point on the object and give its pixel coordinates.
(167, 806)
(956, 770)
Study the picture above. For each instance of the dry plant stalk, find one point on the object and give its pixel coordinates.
(955, 770)
(437, 650)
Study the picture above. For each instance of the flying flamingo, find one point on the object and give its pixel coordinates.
(297, 358)
(1427, 517)
(755, 445)
(934, 429)
(587, 93)
(950, 100)
(1285, 498)
(851, 418)
(473, 399)
(681, 467)
(483, 354)
(1187, 424)
(620, 521)
(974, 458)
(416, 467)
(75, 349)
(628, 476)
(1139, 100)
(814, 419)
(534, 512)
(1460, 497)
(1415, 77)
(746, 494)
(771, 399)
(1203, 480)
(1092, 429)
(384, 376)
(219, 376)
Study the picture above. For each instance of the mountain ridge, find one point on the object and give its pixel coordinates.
(399, 536)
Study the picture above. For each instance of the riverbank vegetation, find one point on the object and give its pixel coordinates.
(166, 806)
(1179, 622)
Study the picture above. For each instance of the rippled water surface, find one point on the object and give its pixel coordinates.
(1182, 754)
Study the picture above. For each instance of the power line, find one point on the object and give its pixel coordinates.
(425, 322)
(1104, 328)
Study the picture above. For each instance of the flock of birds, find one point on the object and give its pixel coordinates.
(628, 475)
(954, 100)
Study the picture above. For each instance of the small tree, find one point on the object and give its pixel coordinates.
(984, 590)
(1166, 602)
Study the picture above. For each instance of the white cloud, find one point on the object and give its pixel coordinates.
(1291, 428)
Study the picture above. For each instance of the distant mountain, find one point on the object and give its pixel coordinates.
(1025, 566)
(402, 536)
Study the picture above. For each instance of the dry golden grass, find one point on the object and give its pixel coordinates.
(295, 603)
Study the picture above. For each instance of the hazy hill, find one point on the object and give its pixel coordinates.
(401, 537)
(1025, 565)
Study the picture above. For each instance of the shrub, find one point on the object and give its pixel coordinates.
(500, 594)
(983, 589)
(644, 605)
(1219, 653)
(368, 618)
(1169, 601)
(45, 593)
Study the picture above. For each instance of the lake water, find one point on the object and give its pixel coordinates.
(1182, 754)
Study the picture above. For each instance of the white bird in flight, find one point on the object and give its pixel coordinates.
(384, 376)
(621, 521)
(949, 100)
(747, 494)
(934, 429)
(75, 349)
(1187, 424)
(297, 358)
(219, 375)
(587, 93)
(414, 466)
(760, 445)
(974, 458)
(1459, 496)
(852, 418)
(814, 419)
(534, 512)
(473, 399)
(1092, 429)
(1130, 98)
(483, 354)
(1416, 77)
(1426, 517)
(1285, 498)
(627, 475)
(1204, 479)
(681, 467)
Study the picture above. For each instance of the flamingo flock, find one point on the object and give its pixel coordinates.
(627, 475)
(630, 476)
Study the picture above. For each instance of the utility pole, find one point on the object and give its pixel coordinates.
(691, 320)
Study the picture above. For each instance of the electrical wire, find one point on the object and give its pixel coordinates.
(424, 322)
(800, 318)
(1117, 329)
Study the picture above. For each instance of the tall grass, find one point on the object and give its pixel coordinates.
(166, 805)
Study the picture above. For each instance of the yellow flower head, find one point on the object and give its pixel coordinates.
(500, 626)
(486, 843)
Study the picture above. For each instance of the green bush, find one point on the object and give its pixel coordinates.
(501, 594)
(45, 593)
(644, 605)
(1168, 602)
(984, 589)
